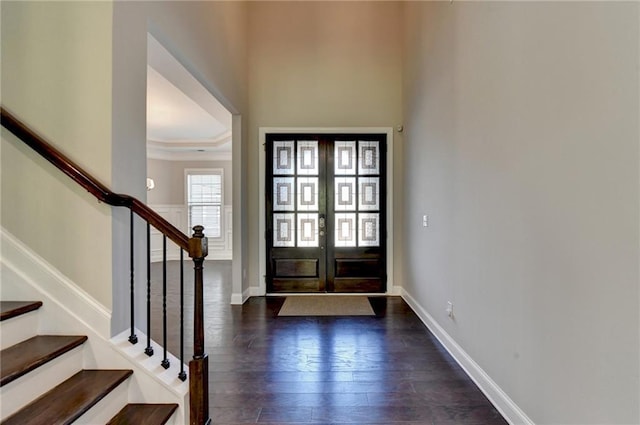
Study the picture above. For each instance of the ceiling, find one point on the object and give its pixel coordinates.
(184, 120)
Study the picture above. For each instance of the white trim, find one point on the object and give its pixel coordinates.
(44, 278)
(67, 309)
(502, 402)
(262, 288)
(134, 353)
(395, 290)
(176, 214)
(239, 299)
(165, 155)
(236, 299)
(201, 172)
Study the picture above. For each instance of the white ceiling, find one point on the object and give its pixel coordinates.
(184, 120)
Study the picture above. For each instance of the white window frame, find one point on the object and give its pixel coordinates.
(204, 171)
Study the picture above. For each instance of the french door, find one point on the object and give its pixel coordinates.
(326, 212)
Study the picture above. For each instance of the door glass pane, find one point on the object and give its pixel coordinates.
(369, 194)
(368, 158)
(307, 194)
(308, 230)
(369, 229)
(308, 157)
(284, 230)
(344, 158)
(345, 230)
(283, 158)
(283, 194)
(345, 193)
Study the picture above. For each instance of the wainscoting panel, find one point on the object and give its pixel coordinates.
(219, 248)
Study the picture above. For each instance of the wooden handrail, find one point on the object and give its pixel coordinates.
(90, 183)
(196, 246)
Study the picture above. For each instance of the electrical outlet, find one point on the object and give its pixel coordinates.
(425, 221)
(449, 309)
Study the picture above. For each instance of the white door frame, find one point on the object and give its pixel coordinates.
(262, 286)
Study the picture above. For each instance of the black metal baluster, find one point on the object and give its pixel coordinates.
(133, 338)
(149, 350)
(165, 361)
(182, 375)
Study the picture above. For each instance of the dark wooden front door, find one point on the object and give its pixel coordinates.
(326, 212)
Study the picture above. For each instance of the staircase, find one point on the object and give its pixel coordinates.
(42, 380)
(70, 309)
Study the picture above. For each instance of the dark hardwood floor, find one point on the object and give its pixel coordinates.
(273, 370)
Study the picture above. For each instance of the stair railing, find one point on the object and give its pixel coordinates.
(196, 247)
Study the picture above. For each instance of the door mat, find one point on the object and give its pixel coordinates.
(309, 305)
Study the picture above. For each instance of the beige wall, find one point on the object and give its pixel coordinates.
(169, 177)
(209, 40)
(56, 77)
(521, 144)
(320, 64)
(76, 72)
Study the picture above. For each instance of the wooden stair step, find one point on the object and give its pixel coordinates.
(27, 355)
(9, 309)
(69, 400)
(144, 414)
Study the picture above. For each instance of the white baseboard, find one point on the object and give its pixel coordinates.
(254, 291)
(42, 277)
(394, 290)
(239, 299)
(67, 309)
(511, 412)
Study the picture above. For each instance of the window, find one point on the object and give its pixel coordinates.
(204, 200)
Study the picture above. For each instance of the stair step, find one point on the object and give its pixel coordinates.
(144, 414)
(69, 400)
(9, 309)
(26, 356)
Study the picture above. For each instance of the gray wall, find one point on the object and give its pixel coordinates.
(169, 178)
(208, 38)
(521, 144)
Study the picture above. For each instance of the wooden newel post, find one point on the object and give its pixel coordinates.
(199, 366)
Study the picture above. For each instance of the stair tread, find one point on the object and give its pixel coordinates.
(144, 414)
(27, 355)
(69, 400)
(9, 309)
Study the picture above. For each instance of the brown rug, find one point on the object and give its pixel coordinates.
(310, 305)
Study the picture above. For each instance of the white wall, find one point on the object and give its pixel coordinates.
(321, 64)
(56, 77)
(521, 144)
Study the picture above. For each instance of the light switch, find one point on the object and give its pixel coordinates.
(425, 221)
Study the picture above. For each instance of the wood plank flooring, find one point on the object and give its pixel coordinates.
(271, 370)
